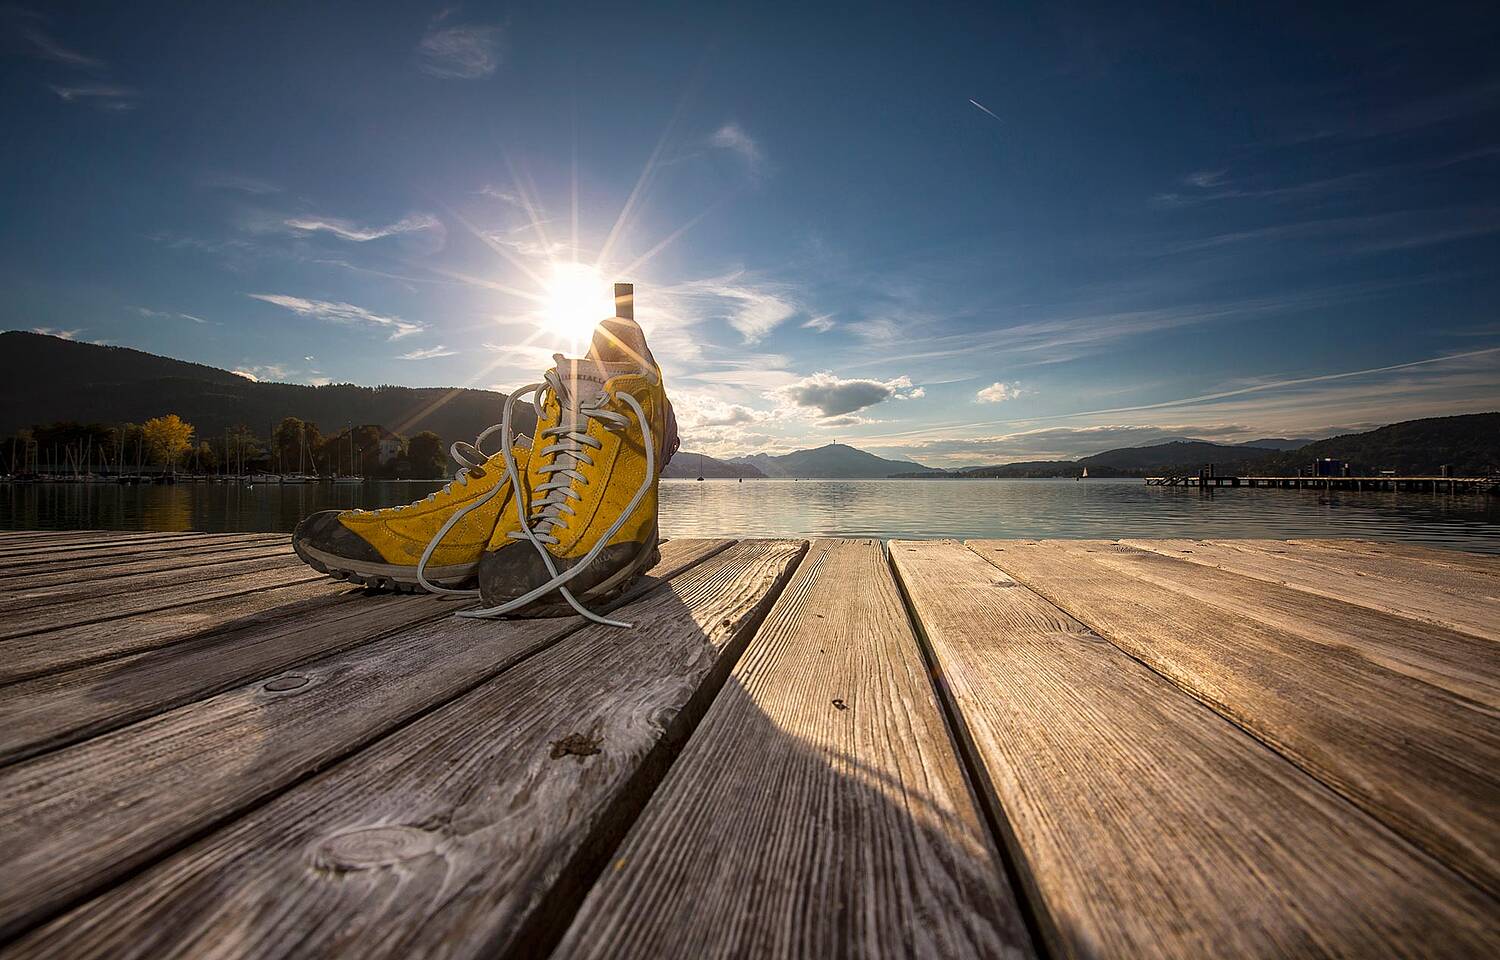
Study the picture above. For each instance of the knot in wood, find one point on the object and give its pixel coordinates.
(365, 848)
(290, 682)
(578, 745)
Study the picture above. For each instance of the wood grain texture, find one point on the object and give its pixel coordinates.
(170, 590)
(1460, 662)
(1421, 759)
(106, 552)
(91, 545)
(852, 821)
(73, 820)
(1142, 823)
(105, 556)
(18, 538)
(1447, 557)
(52, 711)
(108, 568)
(75, 645)
(461, 833)
(119, 592)
(1448, 597)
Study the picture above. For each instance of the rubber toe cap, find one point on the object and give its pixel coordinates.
(322, 531)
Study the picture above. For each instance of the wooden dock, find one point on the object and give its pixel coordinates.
(926, 749)
(1394, 484)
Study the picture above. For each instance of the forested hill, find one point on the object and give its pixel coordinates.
(47, 379)
(1469, 444)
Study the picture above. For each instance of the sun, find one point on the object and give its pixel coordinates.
(575, 300)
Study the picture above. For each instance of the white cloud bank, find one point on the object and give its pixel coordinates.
(833, 396)
(997, 393)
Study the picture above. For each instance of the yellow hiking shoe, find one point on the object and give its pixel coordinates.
(433, 544)
(605, 429)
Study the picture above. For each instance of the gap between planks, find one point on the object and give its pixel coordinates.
(853, 821)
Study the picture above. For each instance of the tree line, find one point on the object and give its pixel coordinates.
(171, 444)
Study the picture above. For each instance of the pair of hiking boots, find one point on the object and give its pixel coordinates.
(544, 525)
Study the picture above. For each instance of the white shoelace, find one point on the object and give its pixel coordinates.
(473, 459)
(570, 450)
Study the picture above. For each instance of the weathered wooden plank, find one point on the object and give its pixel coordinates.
(9, 538)
(1463, 663)
(1417, 595)
(109, 593)
(1144, 825)
(77, 610)
(52, 711)
(22, 576)
(89, 543)
(1449, 572)
(853, 822)
(1421, 759)
(128, 574)
(74, 536)
(85, 552)
(1487, 563)
(72, 646)
(1452, 574)
(74, 820)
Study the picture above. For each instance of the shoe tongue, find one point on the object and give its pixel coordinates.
(584, 379)
(618, 341)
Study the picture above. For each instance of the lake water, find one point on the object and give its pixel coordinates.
(847, 508)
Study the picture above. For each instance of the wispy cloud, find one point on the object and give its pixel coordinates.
(251, 185)
(1296, 406)
(48, 48)
(1377, 233)
(833, 396)
(501, 194)
(105, 96)
(1203, 179)
(55, 332)
(166, 315)
(340, 312)
(348, 230)
(822, 323)
(985, 109)
(459, 53)
(749, 305)
(732, 137)
(1069, 336)
(1063, 443)
(428, 353)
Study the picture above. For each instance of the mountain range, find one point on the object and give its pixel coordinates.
(689, 466)
(44, 379)
(833, 460)
(1469, 444)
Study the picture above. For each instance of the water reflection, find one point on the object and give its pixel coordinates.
(849, 508)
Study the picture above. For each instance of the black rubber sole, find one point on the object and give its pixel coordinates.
(606, 592)
(373, 581)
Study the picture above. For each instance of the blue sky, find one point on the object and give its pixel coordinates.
(965, 234)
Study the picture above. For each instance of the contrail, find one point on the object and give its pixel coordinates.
(984, 108)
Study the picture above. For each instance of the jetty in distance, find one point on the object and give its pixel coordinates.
(1437, 484)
